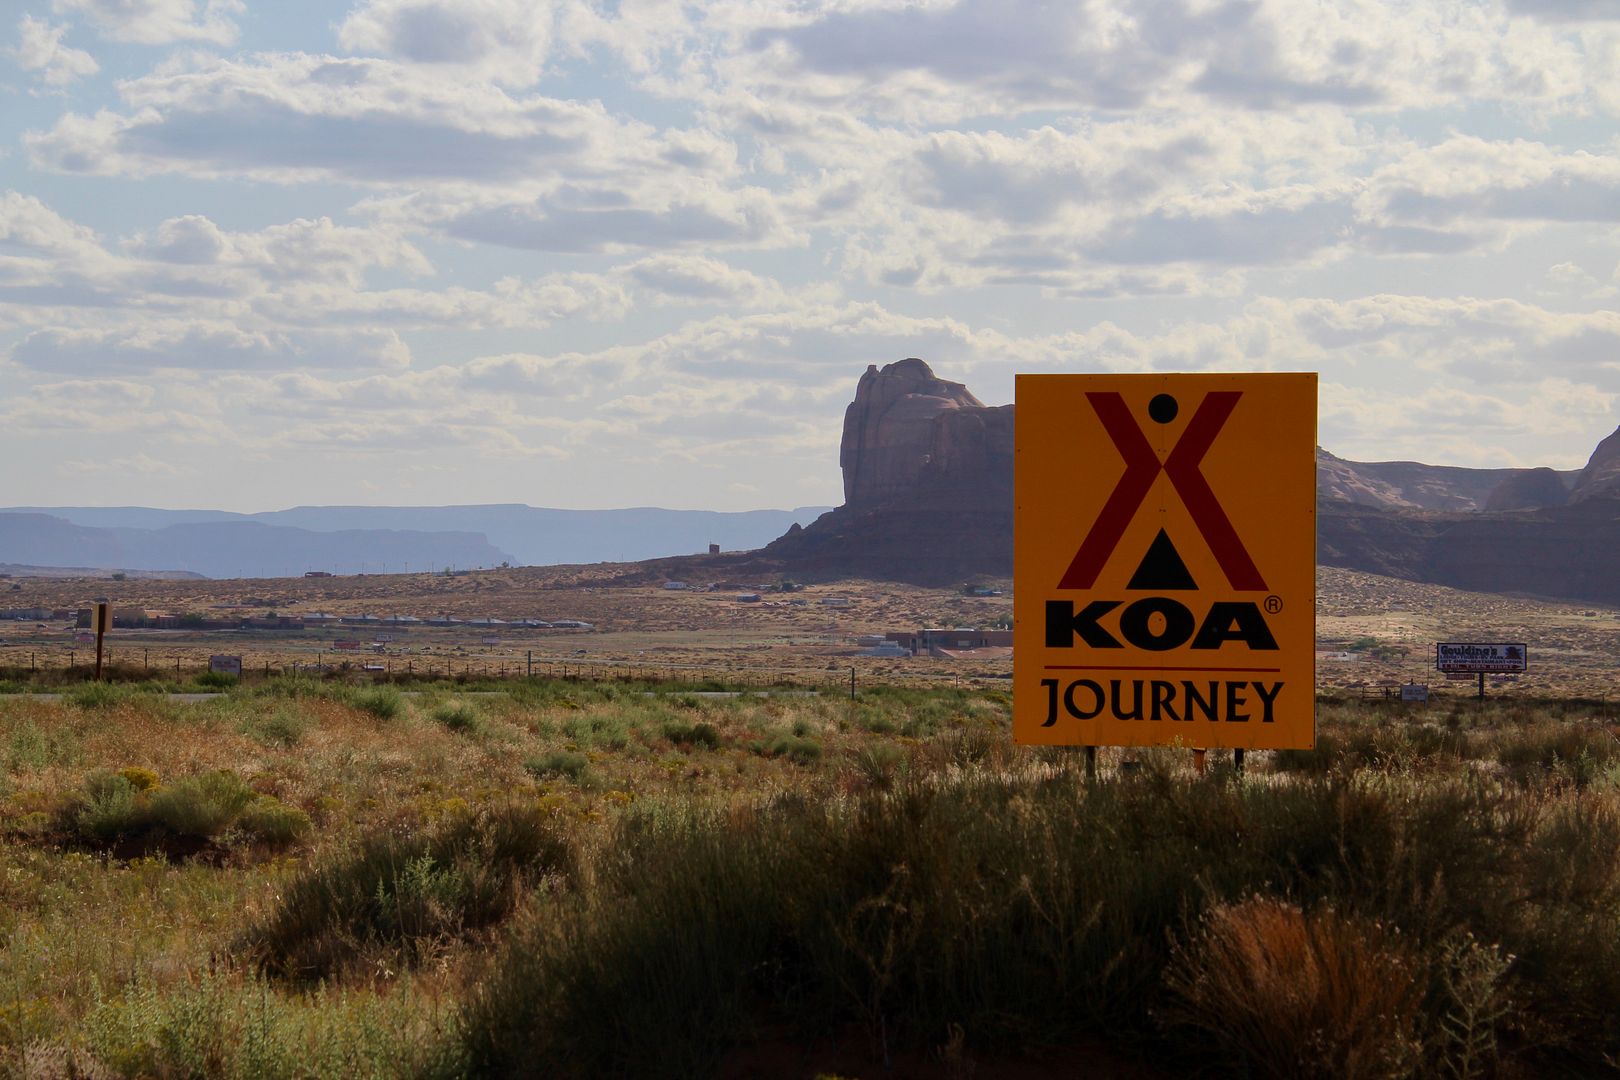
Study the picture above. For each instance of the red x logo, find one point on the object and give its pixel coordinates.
(1142, 467)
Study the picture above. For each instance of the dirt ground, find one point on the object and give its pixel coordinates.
(1373, 633)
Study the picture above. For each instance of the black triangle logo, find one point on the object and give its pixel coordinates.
(1161, 569)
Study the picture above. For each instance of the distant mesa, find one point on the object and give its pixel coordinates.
(1531, 489)
(928, 486)
(1601, 477)
(1412, 485)
(908, 430)
(928, 499)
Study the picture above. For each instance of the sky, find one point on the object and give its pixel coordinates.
(262, 253)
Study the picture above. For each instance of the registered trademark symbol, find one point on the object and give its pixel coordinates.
(1273, 604)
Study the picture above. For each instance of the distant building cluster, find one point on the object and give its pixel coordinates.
(950, 643)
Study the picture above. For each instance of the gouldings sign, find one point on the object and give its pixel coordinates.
(1165, 574)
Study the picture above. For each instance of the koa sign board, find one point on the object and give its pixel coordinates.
(1165, 560)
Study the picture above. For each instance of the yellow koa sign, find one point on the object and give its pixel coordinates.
(1165, 560)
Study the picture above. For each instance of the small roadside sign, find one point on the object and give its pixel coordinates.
(225, 665)
(1414, 692)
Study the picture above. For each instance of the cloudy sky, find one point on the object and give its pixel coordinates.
(256, 253)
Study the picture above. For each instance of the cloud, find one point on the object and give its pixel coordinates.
(484, 166)
(301, 250)
(200, 346)
(158, 22)
(1274, 227)
(140, 464)
(585, 221)
(1467, 177)
(292, 117)
(39, 49)
(933, 61)
(1565, 10)
(28, 224)
(504, 40)
(1031, 178)
(683, 278)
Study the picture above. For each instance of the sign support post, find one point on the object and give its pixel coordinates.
(101, 618)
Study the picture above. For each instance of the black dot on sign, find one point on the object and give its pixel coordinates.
(1163, 408)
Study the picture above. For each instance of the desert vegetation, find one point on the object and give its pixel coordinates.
(299, 878)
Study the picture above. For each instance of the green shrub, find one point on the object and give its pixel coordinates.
(271, 821)
(285, 725)
(203, 805)
(383, 702)
(700, 735)
(97, 695)
(800, 750)
(1573, 753)
(610, 731)
(1318, 759)
(566, 763)
(32, 746)
(879, 764)
(215, 680)
(876, 723)
(218, 1025)
(112, 807)
(404, 896)
(460, 716)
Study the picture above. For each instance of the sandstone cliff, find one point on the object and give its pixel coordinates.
(893, 428)
(928, 485)
(1601, 477)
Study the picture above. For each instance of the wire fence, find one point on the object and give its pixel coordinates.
(185, 665)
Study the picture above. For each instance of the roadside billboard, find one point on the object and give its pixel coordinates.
(1165, 560)
(1486, 657)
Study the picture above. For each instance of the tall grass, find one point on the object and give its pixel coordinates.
(401, 898)
(228, 1027)
(1027, 911)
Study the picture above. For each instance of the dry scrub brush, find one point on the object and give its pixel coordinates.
(1294, 994)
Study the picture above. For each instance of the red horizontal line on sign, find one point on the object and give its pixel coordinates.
(1089, 667)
